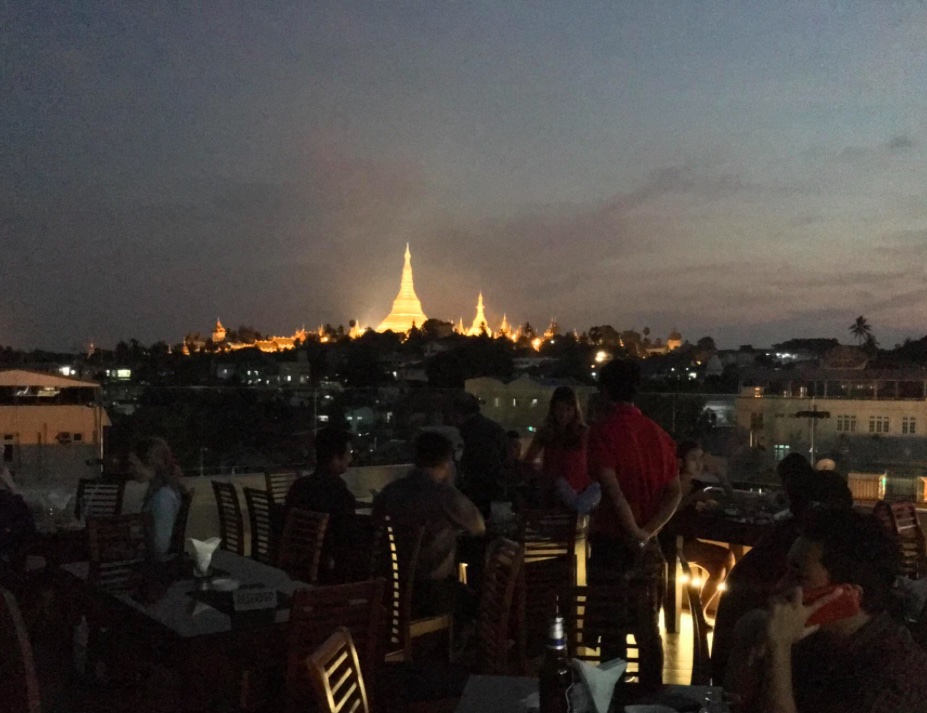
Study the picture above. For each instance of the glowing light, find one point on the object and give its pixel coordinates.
(601, 356)
(697, 582)
(722, 587)
(536, 343)
(684, 579)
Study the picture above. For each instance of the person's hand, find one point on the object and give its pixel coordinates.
(788, 617)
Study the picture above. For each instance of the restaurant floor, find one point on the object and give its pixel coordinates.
(677, 651)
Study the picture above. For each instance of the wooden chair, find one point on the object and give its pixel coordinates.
(395, 559)
(277, 484)
(351, 550)
(610, 621)
(549, 541)
(263, 547)
(19, 683)
(701, 654)
(900, 519)
(500, 580)
(99, 498)
(315, 613)
(231, 522)
(301, 544)
(179, 534)
(119, 546)
(335, 672)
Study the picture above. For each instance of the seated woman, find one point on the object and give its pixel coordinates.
(152, 462)
(714, 559)
(562, 438)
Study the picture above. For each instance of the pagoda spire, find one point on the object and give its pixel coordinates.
(479, 322)
(407, 309)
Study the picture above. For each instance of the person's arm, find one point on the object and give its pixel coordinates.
(534, 450)
(672, 493)
(6, 480)
(609, 481)
(786, 626)
(463, 512)
(165, 505)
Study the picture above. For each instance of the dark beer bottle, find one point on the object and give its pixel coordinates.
(556, 675)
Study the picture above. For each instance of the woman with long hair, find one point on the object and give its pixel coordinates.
(151, 461)
(562, 438)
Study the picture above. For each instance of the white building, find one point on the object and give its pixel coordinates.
(50, 426)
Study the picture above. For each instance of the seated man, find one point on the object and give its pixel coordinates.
(325, 491)
(426, 497)
(859, 662)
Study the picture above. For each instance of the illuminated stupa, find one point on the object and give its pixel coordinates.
(407, 310)
(479, 322)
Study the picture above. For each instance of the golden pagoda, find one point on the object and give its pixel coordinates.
(505, 329)
(407, 310)
(479, 322)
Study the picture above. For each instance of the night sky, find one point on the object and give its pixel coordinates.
(751, 170)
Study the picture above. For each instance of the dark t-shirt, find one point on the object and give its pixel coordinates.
(879, 670)
(482, 465)
(16, 523)
(322, 492)
(416, 500)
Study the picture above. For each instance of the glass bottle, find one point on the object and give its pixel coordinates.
(556, 675)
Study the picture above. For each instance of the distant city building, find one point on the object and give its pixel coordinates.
(863, 419)
(51, 427)
(521, 404)
(407, 309)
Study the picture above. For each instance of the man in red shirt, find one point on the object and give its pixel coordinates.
(635, 462)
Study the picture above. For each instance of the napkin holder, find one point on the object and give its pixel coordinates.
(202, 555)
(596, 684)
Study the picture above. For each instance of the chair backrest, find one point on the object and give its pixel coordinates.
(301, 544)
(19, 684)
(701, 654)
(259, 517)
(615, 621)
(179, 533)
(336, 675)
(99, 498)
(315, 613)
(500, 579)
(548, 533)
(278, 482)
(231, 522)
(910, 539)
(119, 546)
(395, 559)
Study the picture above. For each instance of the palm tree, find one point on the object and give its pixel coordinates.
(861, 329)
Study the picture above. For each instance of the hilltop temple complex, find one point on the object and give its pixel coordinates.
(406, 312)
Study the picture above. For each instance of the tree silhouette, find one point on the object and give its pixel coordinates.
(861, 329)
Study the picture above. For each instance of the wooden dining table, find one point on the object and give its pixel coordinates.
(514, 694)
(738, 533)
(194, 630)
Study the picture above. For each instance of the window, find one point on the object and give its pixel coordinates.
(756, 421)
(514, 402)
(846, 424)
(77, 437)
(495, 402)
(781, 450)
(909, 425)
(534, 403)
(878, 424)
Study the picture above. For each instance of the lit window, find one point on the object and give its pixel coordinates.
(781, 450)
(495, 402)
(909, 425)
(514, 402)
(534, 403)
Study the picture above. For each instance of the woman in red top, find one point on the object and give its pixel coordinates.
(562, 437)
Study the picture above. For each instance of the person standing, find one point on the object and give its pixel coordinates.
(482, 465)
(562, 438)
(634, 460)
